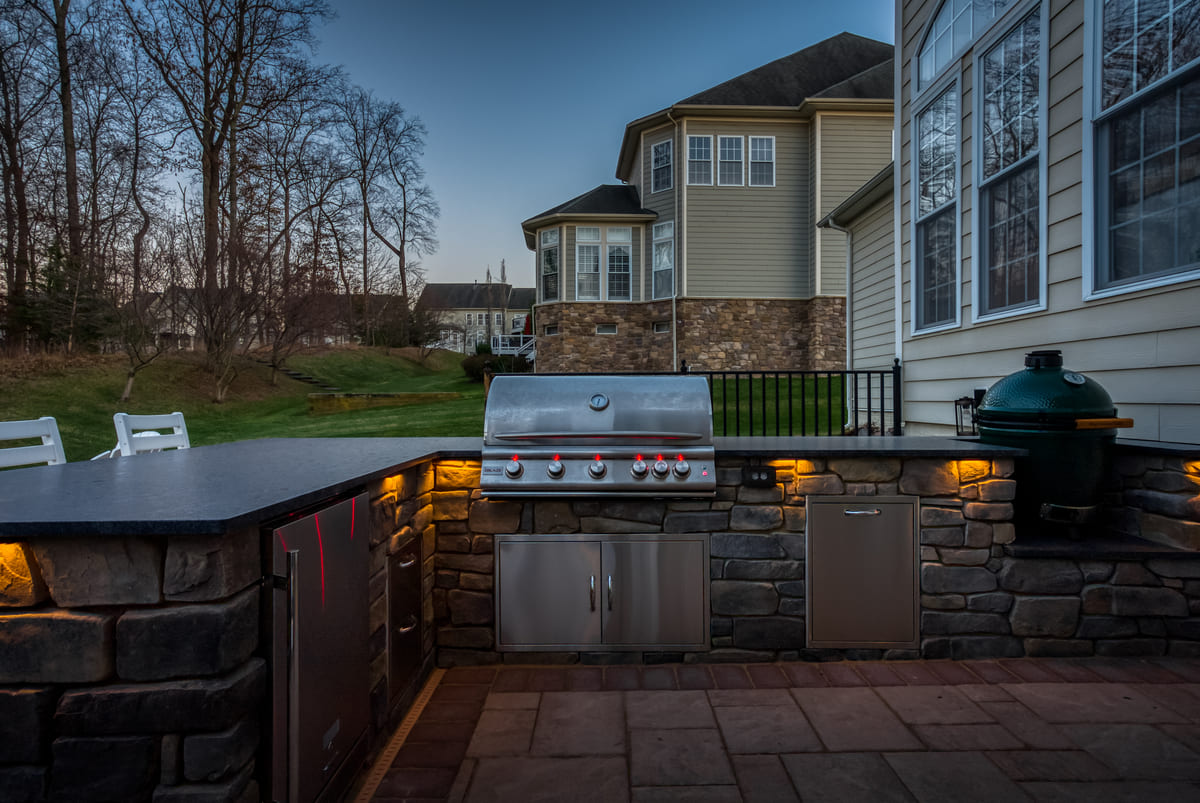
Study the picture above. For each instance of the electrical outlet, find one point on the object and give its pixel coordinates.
(758, 476)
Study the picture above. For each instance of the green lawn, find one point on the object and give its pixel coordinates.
(784, 405)
(83, 393)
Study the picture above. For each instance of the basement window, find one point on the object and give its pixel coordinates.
(662, 327)
(606, 328)
(550, 330)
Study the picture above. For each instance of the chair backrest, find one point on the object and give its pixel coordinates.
(139, 433)
(50, 451)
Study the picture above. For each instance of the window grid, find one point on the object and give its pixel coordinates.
(619, 272)
(954, 27)
(729, 165)
(587, 272)
(660, 176)
(762, 161)
(1010, 247)
(699, 160)
(1143, 41)
(549, 267)
(664, 260)
(936, 229)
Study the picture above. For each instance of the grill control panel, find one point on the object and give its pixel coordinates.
(540, 474)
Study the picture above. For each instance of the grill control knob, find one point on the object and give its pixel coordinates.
(554, 469)
(661, 469)
(513, 469)
(682, 469)
(639, 470)
(597, 469)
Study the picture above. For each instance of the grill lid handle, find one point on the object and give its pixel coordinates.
(608, 436)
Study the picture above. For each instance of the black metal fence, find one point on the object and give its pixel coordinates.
(778, 403)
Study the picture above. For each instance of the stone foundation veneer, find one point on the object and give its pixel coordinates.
(724, 334)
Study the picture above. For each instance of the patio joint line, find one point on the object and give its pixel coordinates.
(383, 762)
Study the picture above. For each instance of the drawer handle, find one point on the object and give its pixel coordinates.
(610, 592)
(405, 564)
(409, 628)
(874, 512)
(592, 594)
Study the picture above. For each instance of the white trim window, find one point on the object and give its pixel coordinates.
(762, 161)
(660, 166)
(664, 259)
(587, 263)
(699, 160)
(619, 268)
(935, 263)
(499, 319)
(955, 26)
(549, 265)
(1147, 130)
(1009, 274)
(729, 161)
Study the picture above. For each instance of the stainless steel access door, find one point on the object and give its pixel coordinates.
(861, 570)
(319, 655)
(654, 593)
(548, 593)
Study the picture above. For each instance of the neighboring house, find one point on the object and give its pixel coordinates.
(471, 313)
(1047, 195)
(709, 252)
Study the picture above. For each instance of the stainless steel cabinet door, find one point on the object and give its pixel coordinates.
(654, 593)
(548, 593)
(862, 572)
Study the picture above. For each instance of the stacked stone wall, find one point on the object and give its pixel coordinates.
(719, 334)
(130, 668)
(1156, 497)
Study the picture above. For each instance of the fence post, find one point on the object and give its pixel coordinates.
(896, 396)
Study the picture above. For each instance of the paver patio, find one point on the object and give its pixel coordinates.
(1008, 730)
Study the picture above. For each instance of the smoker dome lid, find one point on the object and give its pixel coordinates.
(1045, 391)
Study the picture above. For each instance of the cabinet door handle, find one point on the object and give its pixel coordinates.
(592, 594)
(409, 628)
(610, 592)
(874, 512)
(404, 564)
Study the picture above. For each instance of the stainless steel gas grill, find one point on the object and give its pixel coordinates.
(589, 435)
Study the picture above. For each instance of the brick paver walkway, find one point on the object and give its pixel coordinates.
(1026, 729)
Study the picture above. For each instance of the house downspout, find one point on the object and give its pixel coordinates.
(675, 251)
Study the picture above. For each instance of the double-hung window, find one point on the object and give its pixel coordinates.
(1009, 237)
(935, 271)
(1147, 144)
(699, 160)
(620, 262)
(549, 265)
(729, 161)
(587, 263)
(762, 161)
(660, 167)
(664, 259)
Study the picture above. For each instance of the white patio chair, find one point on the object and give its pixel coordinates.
(50, 451)
(137, 434)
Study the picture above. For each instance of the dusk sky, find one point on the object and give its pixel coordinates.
(526, 102)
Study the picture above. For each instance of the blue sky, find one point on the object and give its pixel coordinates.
(526, 102)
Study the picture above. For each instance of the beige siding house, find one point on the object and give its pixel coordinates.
(726, 268)
(467, 313)
(1048, 196)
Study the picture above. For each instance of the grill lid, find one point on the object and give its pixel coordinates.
(583, 410)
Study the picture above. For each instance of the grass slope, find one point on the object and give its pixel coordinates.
(82, 394)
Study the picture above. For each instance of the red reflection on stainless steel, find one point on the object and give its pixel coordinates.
(352, 501)
(321, 549)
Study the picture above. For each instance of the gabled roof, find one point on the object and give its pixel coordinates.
(605, 201)
(474, 295)
(522, 297)
(845, 67)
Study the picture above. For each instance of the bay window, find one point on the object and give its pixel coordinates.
(664, 260)
(587, 263)
(549, 265)
(620, 263)
(660, 173)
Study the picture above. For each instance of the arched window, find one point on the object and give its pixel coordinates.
(955, 26)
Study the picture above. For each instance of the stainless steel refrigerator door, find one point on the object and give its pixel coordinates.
(322, 659)
(861, 571)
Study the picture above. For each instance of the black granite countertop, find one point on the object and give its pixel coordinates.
(215, 489)
(205, 489)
